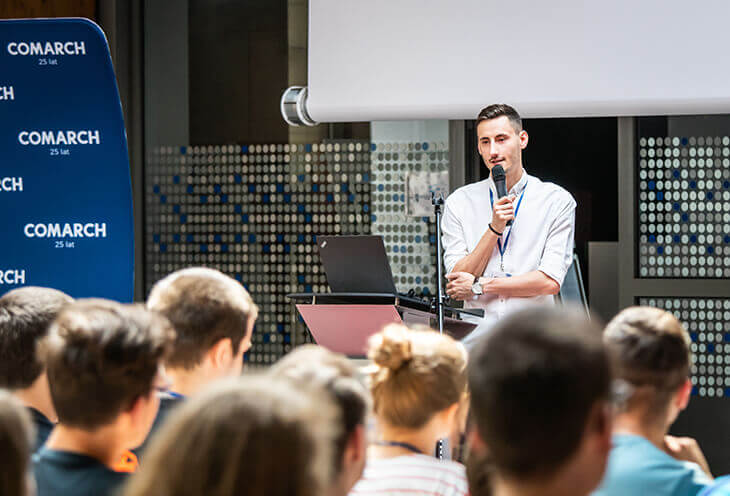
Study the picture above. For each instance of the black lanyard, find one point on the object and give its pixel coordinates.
(399, 444)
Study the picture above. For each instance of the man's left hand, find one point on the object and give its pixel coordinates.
(459, 286)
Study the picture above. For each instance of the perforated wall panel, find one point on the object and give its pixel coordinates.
(684, 207)
(708, 322)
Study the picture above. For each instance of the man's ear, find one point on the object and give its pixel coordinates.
(475, 442)
(356, 445)
(138, 408)
(221, 353)
(524, 138)
(683, 394)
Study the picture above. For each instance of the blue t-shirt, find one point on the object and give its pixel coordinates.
(721, 487)
(62, 473)
(638, 468)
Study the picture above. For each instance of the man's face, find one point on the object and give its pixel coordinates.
(499, 143)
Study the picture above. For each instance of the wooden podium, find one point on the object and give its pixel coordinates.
(343, 322)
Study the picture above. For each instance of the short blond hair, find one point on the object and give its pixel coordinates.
(418, 373)
(204, 306)
(649, 347)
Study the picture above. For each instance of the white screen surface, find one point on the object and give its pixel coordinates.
(426, 59)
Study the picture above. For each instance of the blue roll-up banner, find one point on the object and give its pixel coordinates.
(65, 193)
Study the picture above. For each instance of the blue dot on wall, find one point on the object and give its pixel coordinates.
(237, 209)
(308, 147)
(265, 198)
(373, 147)
(244, 149)
(675, 206)
(710, 348)
(727, 239)
(183, 218)
(395, 249)
(684, 141)
(224, 198)
(418, 239)
(660, 250)
(203, 199)
(660, 196)
(224, 248)
(693, 238)
(676, 174)
(676, 238)
(652, 238)
(381, 187)
(395, 197)
(156, 188)
(710, 195)
(685, 217)
(652, 185)
(156, 238)
(365, 208)
(244, 218)
(366, 178)
(425, 146)
(251, 188)
(238, 238)
(710, 250)
(183, 150)
(163, 199)
(190, 238)
(726, 184)
(163, 248)
(217, 188)
(315, 188)
(203, 248)
(251, 238)
(217, 238)
(300, 178)
(373, 218)
(693, 184)
(176, 209)
(176, 238)
(190, 189)
(238, 179)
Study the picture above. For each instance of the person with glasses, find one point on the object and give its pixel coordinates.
(650, 352)
(103, 361)
(213, 316)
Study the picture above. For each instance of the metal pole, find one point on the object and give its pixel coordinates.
(437, 203)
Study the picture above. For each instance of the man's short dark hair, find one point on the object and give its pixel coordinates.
(498, 110)
(204, 306)
(319, 367)
(101, 356)
(534, 381)
(25, 315)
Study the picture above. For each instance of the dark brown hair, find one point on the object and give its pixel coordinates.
(316, 366)
(419, 373)
(25, 315)
(16, 433)
(498, 110)
(534, 381)
(257, 436)
(101, 356)
(204, 306)
(650, 349)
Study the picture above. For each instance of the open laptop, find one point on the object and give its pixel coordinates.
(356, 264)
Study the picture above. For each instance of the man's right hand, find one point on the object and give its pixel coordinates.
(686, 449)
(502, 212)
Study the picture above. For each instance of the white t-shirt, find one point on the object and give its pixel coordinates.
(541, 238)
(411, 475)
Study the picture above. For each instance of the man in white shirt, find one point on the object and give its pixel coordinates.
(491, 265)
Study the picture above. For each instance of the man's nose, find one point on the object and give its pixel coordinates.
(493, 152)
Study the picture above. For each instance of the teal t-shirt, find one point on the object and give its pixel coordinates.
(721, 487)
(638, 468)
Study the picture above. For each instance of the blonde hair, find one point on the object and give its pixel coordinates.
(419, 373)
(260, 436)
(16, 432)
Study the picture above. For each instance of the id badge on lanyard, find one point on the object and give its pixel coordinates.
(503, 247)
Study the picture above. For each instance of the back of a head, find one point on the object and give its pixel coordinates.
(255, 435)
(16, 435)
(204, 306)
(649, 349)
(25, 316)
(534, 381)
(418, 374)
(100, 357)
(316, 366)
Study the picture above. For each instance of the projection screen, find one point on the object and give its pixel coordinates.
(427, 59)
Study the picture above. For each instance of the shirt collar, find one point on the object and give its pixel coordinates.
(516, 189)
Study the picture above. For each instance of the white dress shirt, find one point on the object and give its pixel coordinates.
(541, 239)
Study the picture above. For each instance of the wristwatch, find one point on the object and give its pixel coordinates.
(476, 288)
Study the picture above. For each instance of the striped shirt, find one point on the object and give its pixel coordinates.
(411, 475)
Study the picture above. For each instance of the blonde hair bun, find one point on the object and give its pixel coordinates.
(391, 348)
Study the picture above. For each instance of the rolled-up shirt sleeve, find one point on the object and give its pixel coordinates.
(453, 238)
(558, 253)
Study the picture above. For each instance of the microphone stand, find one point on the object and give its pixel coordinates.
(437, 203)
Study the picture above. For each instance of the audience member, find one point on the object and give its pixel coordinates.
(540, 403)
(213, 316)
(419, 391)
(318, 367)
(16, 440)
(650, 352)
(25, 315)
(249, 435)
(104, 361)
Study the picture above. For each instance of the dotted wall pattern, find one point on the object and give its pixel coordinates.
(708, 323)
(254, 213)
(410, 241)
(684, 207)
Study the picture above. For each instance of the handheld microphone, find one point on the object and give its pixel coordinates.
(499, 182)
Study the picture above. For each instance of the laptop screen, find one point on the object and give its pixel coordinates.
(356, 264)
